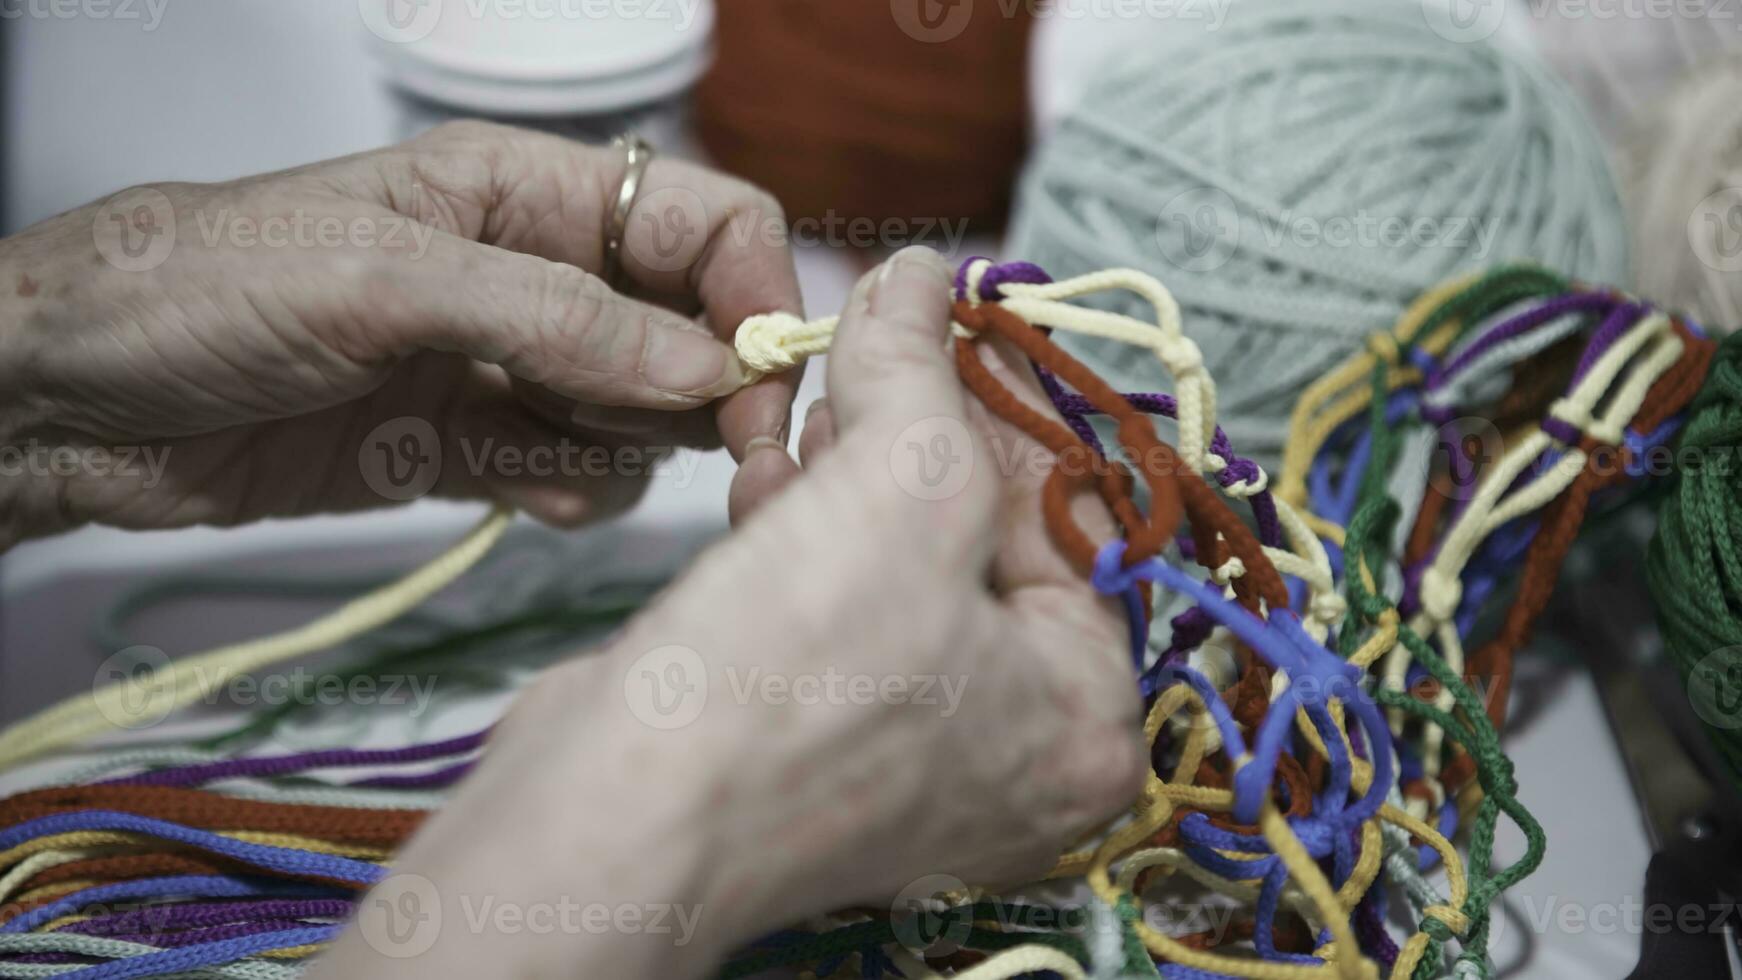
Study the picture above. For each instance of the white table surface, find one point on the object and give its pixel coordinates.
(222, 88)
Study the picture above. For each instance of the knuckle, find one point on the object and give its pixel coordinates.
(569, 321)
(761, 203)
(571, 300)
(739, 202)
(753, 207)
(463, 131)
(581, 321)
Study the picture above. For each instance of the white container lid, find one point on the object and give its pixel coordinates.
(542, 57)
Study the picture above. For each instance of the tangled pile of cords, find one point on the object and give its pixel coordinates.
(1320, 736)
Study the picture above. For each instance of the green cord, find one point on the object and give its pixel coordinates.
(1369, 530)
(1694, 564)
(442, 654)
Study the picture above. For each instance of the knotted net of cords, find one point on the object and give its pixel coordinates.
(1271, 797)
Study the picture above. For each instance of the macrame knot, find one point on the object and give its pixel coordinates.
(1328, 608)
(1182, 357)
(1110, 576)
(1229, 570)
(1440, 594)
(1384, 346)
(980, 280)
(1450, 920)
(1240, 478)
(1434, 926)
(761, 342)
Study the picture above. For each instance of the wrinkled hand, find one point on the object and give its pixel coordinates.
(981, 715)
(240, 342)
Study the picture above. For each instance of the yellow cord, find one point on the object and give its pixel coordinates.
(136, 701)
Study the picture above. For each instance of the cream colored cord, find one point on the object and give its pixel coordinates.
(135, 702)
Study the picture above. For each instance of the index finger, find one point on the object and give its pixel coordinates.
(696, 233)
(695, 238)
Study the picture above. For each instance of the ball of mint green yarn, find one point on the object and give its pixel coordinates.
(1240, 165)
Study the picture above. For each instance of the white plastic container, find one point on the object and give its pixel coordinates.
(588, 68)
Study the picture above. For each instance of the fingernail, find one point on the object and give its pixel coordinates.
(908, 273)
(687, 363)
(760, 443)
(811, 409)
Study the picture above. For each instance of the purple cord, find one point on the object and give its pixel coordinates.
(1525, 322)
(1370, 930)
(1239, 469)
(998, 275)
(200, 774)
(1078, 422)
(1618, 323)
(181, 916)
(214, 934)
(438, 779)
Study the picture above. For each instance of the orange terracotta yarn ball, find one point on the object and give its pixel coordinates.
(907, 109)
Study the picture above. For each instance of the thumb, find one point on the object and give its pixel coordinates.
(891, 348)
(900, 411)
(545, 322)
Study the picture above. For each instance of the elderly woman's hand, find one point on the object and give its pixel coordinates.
(305, 341)
(888, 673)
